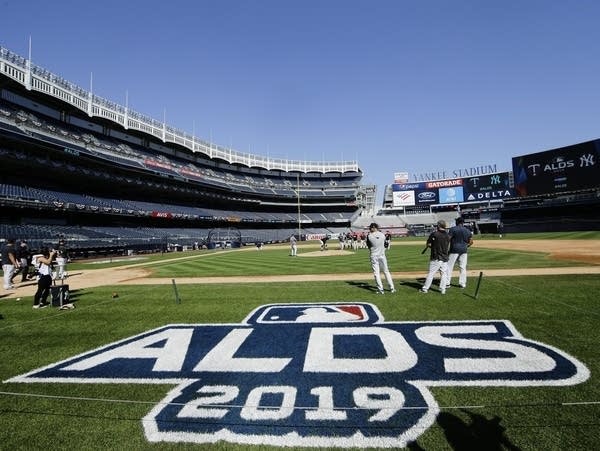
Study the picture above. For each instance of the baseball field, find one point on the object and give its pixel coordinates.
(208, 350)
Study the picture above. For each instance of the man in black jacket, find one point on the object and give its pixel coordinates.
(23, 255)
(438, 242)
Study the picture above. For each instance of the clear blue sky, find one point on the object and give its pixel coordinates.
(398, 85)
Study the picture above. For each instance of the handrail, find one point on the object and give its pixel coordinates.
(36, 78)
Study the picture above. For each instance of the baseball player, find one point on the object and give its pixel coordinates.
(461, 239)
(438, 242)
(375, 242)
(9, 263)
(293, 246)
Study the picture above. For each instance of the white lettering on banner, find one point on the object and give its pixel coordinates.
(489, 195)
(254, 412)
(533, 168)
(444, 183)
(326, 410)
(221, 357)
(558, 165)
(221, 395)
(388, 400)
(525, 358)
(320, 357)
(586, 160)
(495, 180)
(169, 357)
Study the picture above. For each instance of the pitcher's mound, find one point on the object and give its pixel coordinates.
(327, 253)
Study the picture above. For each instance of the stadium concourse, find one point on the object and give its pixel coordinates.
(587, 251)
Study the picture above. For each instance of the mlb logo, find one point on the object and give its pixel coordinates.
(313, 313)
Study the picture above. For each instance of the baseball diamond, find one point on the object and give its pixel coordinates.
(186, 293)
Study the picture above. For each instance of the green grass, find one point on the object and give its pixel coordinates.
(401, 258)
(410, 253)
(560, 311)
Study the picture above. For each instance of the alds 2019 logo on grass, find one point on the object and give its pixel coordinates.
(321, 375)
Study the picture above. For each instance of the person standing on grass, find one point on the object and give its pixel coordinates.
(376, 244)
(61, 260)
(9, 263)
(44, 263)
(388, 239)
(324, 242)
(23, 255)
(461, 239)
(293, 246)
(438, 241)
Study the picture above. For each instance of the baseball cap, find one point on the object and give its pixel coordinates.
(373, 224)
(441, 224)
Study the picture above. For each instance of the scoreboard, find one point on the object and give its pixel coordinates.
(564, 169)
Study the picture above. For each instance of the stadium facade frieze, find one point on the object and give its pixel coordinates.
(454, 173)
(37, 79)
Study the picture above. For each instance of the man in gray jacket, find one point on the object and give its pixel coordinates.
(376, 245)
(461, 239)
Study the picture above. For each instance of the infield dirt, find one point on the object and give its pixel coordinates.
(137, 274)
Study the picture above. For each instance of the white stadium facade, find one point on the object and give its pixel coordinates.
(108, 179)
(102, 176)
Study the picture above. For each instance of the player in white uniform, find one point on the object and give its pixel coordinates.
(293, 246)
(376, 245)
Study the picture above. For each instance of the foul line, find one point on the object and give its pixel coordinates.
(154, 403)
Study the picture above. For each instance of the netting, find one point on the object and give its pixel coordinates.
(223, 238)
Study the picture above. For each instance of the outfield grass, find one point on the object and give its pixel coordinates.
(400, 259)
(560, 311)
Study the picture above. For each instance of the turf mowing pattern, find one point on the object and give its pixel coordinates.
(559, 311)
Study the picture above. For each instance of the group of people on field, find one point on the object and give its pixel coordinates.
(31, 264)
(447, 247)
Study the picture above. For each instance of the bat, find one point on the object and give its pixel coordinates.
(424, 250)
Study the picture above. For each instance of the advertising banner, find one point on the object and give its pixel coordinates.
(400, 177)
(451, 195)
(403, 198)
(564, 169)
(427, 196)
(488, 187)
(408, 186)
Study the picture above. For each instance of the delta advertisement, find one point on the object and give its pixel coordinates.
(452, 191)
(564, 169)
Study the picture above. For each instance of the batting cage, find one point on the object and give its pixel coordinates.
(224, 238)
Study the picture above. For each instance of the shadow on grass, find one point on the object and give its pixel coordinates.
(478, 432)
(415, 283)
(364, 285)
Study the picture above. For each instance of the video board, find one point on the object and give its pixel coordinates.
(453, 191)
(564, 169)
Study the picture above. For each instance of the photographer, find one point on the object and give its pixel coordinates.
(44, 263)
